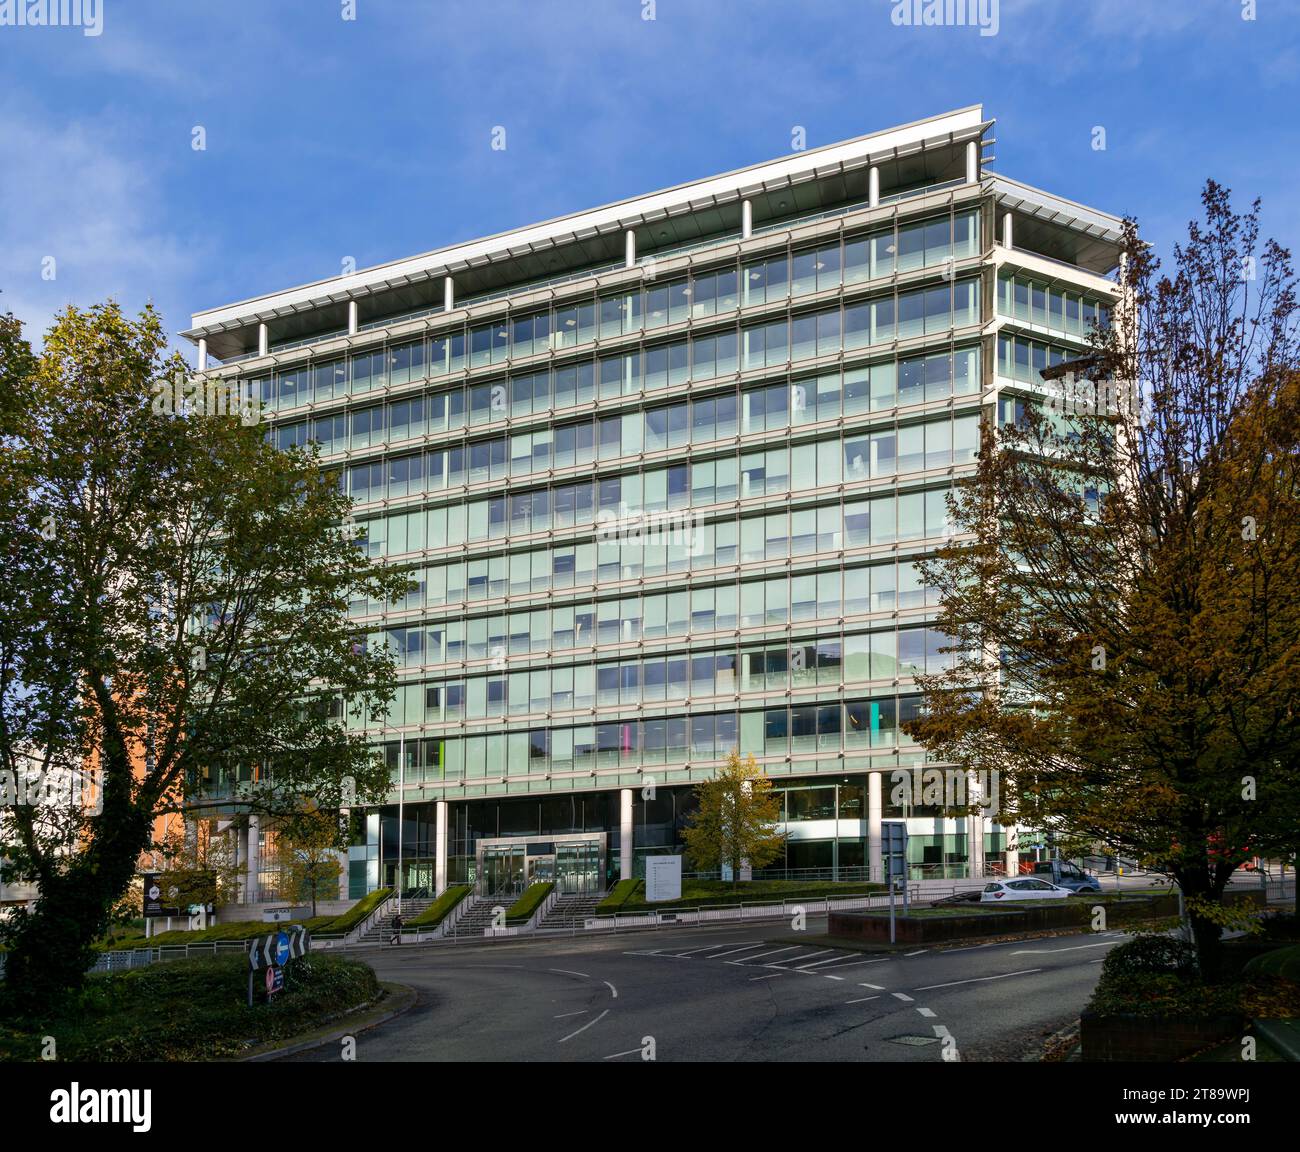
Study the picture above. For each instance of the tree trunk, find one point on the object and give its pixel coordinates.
(52, 947)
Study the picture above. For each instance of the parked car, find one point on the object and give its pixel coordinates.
(1025, 888)
(1066, 875)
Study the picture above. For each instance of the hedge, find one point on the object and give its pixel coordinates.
(437, 912)
(529, 902)
(618, 896)
(357, 913)
(1282, 962)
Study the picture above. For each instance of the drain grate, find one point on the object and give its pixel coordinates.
(914, 1041)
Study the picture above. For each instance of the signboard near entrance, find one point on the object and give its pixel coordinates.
(663, 878)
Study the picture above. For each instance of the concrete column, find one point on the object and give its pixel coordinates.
(875, 811)
(352, 317)
(440, 848)
(263, 340)
(625, 834)
(873, 187)
(972, 162)
(254, 863)
(1008, 236)
(342, 855)
(975, 846)
(203, 354)
(746, 219)
(241, 863)
(448, 293)
(1013, 851)
(629, 249)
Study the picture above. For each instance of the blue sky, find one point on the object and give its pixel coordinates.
(370, 138)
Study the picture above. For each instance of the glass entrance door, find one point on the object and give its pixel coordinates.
(541, 869)
(578, 867)
(503, 870)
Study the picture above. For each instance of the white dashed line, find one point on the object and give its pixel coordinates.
(901, 996)
(570, 972)
(917, 953)
(978, 979)
(863, 1000)
(613, 992)
(1072, 948)
(926, 1012)
(877, 987)
(746, 948)
(565, 1015)
(772, 977)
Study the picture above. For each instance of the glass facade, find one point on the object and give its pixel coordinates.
(664, 515)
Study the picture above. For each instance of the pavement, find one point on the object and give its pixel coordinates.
(733, 993)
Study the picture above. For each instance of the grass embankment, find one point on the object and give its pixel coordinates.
(191, 1010)
(441, 908)
(629, 895)
(523, 908)
(250, 929)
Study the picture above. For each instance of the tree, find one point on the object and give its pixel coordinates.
(1124, 600)
(309, 843)
(175, 621)
(199, 866)
(735, 821)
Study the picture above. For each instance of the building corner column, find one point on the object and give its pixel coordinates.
(873, 187)
(625, 834)
(440, 848)
(875, 811)
(254, 859)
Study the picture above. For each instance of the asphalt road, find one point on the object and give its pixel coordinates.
(728, 994)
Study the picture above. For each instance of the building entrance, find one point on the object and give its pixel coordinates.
(507, 865)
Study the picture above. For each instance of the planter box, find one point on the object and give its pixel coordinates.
(1153, 1038)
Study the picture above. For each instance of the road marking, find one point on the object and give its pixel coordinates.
(902, 997)
(613, 992)
(877, 987)
(811, 955)
(863, 1000)
(1072, 948)
(825, 975)
(616, 1055)
(570, 972)
(977, 980)
(564, 1015)
(916, 953)
(926, 1012)
(776, 952)
(587, 1025)
(832, 960)
(856, 963)
(746, 948)
(772, 977)
(704, 948)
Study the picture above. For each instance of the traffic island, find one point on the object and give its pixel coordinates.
(191, 1010)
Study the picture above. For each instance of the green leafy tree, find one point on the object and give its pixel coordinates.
(176, 598)
(1124, 599)
(735, 821)
(308, 844)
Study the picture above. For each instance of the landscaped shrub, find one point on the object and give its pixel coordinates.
(1149, 955)
(529, 902)
(437, 912)
(357, 913)
(1283, 962)
(618, 896)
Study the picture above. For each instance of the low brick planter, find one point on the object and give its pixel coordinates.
(1124, 1037)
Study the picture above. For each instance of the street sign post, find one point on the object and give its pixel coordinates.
(271, 953)
(893, 854)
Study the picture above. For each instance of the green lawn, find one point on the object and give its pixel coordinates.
(192, 1010)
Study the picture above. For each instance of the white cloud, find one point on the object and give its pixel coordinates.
(74, 194)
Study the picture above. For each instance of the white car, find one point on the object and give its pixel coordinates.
(1025, 888)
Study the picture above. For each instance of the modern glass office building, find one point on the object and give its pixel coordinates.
(661, 472)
